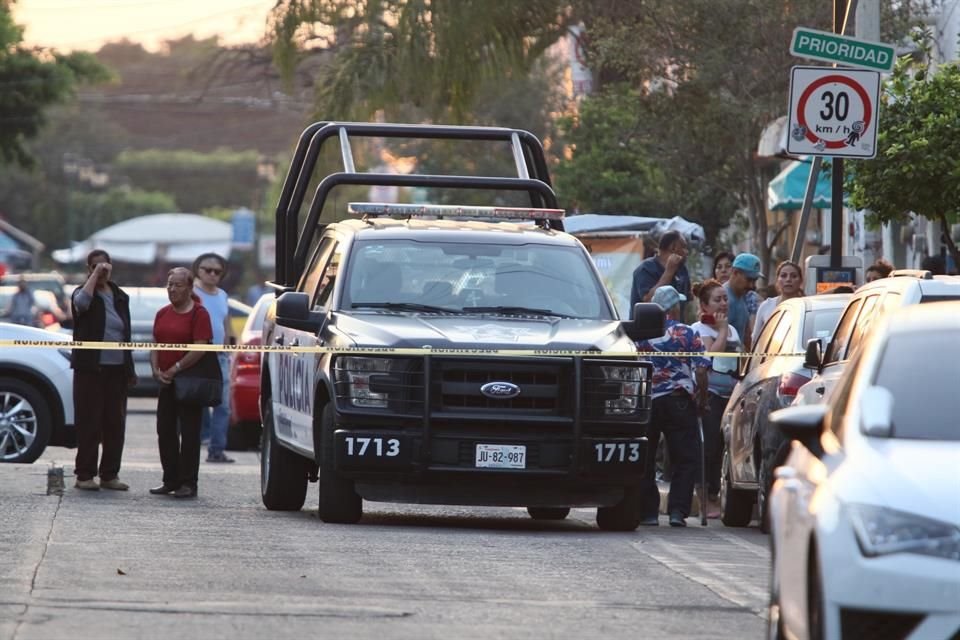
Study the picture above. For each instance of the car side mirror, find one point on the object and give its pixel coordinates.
(813, 356)
(803, 424)
(645, 322)
(293, 312)
(876, 415)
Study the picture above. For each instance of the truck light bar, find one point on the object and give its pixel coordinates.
(374, 209)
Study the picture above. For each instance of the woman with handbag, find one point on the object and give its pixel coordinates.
(182, 321)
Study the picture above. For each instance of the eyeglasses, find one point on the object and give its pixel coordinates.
(212, 270)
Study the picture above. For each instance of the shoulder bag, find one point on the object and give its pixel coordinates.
(201, 384)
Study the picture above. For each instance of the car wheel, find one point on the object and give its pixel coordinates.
(548, 513)
(736, 505)
(283, 474)
(815, 620)
(623, 516)
(25, 421)
(339, 502)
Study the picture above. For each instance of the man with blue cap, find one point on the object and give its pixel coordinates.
(679, 393)
(742, 306)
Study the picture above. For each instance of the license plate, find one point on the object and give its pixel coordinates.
(501, 456)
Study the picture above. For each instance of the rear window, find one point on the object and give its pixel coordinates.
(926, 404)
(940, 298)
(820, 323)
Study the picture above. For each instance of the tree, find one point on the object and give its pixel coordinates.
(31, 80)
(918, 143)
(387, 54)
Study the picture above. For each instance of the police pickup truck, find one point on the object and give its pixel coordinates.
(396, 404)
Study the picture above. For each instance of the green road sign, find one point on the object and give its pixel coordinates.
(830, 47)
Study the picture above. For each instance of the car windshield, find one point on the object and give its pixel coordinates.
(820, 323)
(925, 399)
(529, 279)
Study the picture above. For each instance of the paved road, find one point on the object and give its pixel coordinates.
(131, 565)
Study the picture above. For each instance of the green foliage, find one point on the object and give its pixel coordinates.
(30, 82)
(918, 143)
(433, 55)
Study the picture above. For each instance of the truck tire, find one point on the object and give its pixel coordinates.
(339, 502)
(283, 474)
(623, 516)
(736, 505)
(25, 408)
(548, 513)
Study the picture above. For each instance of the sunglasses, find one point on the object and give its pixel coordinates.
(212, 270)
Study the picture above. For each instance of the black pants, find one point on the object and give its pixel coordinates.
(713, 441)
(178, 434)
(100, 414)
(676, 417)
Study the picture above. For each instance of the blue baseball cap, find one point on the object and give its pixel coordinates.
(667, 297)
(749, 264)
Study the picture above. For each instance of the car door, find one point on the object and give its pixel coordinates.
(743, 406)
(293, 374)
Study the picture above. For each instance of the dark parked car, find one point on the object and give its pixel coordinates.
(752, 447)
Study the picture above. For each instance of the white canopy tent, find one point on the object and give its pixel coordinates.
(167, 237)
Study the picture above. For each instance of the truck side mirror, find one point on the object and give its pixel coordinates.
(293, 311)
(813, 357)
(646, 322)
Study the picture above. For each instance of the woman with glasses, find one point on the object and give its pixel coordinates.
(210, 269)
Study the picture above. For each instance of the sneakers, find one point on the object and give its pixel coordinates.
(87, 485)
(677, 519)
(114, 484)
(219, 457)
(186, 492)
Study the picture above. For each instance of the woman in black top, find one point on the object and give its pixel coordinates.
(101, 312)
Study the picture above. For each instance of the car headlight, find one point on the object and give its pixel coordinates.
(881, 531)
(626, 382)
(356, 379)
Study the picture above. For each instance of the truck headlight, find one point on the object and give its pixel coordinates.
(881, 531)
(356, 380)
(625, 382)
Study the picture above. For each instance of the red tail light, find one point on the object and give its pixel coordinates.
(790, 384)
(249, 360)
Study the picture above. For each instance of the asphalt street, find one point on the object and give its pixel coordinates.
(131, 565)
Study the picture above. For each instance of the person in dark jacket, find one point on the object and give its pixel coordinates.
(101, 377)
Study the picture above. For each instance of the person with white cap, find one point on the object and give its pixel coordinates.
(679, 393)
(742, 307)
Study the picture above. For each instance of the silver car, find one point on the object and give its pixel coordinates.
(752, 449)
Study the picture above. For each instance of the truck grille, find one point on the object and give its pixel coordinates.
(545, 388)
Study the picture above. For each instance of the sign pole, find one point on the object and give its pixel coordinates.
(805, 209)
(840, 12)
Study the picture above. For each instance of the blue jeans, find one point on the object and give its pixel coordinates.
(216, 420)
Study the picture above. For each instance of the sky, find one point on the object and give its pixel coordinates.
(85, 25)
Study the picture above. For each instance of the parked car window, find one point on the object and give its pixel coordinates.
(838, 403)
(892, 301)
(864, 320)
(819, 323)
(763, 342)
(841, 336)
(783, 334)
(315, 270)
(926, 405)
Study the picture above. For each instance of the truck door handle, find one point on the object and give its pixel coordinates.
(278, 339)
(295, 342)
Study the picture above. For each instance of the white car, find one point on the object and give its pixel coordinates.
(865, 514)
(36, 395)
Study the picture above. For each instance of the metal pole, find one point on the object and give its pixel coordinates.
(805, 210)
(841, 9)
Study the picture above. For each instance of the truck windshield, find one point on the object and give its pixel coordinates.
(533, 279)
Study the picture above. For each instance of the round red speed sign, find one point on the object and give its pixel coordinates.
(836, 98)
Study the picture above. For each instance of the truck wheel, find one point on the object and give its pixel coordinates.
(339, 502)
(283, 474)
(623, 516)
(548, 513)
(25, 421)
(736, 505)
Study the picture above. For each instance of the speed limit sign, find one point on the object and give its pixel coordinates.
(833, 112)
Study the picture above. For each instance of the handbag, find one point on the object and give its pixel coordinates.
(201, 384)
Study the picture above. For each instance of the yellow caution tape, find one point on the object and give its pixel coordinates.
(257, 348)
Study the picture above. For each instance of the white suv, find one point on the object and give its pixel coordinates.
(36, 395)
(870, 302)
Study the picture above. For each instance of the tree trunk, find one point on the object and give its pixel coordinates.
(945, 228)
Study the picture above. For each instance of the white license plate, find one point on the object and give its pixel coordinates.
(501, 456)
